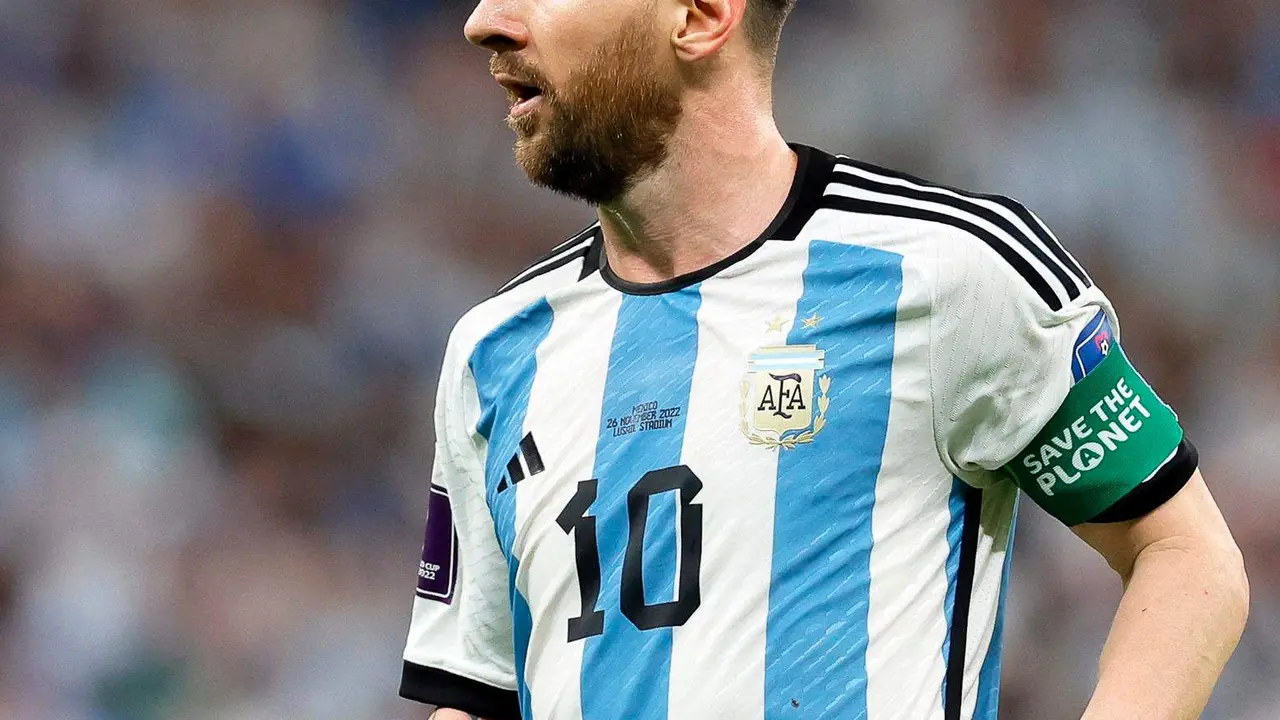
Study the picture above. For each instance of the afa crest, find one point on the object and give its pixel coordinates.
(779, 406)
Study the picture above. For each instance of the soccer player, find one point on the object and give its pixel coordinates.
(751, 445)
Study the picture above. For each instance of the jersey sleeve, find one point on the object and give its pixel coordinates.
(459, 652)
(1029, 384)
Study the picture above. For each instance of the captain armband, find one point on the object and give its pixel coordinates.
(1111, 435)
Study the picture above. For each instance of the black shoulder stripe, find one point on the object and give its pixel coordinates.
(583, 235)
(1060, 271)
(1025, 215)
(592, 262)
(544, 269)
(1016, 261)
(437, 687)
(564, 253)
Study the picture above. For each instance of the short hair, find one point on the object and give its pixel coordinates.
(763, 21)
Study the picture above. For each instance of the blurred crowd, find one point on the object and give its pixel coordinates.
(235, 233)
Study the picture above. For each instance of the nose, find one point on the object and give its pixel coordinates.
(494, 25)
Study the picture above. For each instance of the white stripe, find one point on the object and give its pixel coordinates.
(717, 657)
(1028, 233)
(906, 617)
(1079, 268)
(461, 638)
(1020, 248)
(572, 246)
(564, 417)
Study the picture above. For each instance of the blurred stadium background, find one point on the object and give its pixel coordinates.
(234, 235)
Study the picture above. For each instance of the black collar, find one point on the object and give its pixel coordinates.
(813, 172)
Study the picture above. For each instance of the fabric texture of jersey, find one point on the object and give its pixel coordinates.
(768, 489)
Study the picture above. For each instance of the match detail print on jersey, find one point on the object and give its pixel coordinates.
(1111, 434)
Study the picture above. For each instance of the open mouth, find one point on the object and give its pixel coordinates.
(523, 96)
(526, 92)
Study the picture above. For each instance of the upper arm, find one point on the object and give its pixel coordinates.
(1035, 389)
(459, 652)
(1188, 521)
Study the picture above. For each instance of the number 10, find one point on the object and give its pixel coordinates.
(574, 519)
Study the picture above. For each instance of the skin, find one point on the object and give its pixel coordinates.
(724, 172)
(606, 124)
(728, 169)
(1184, 607)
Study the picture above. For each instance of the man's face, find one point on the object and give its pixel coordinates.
(594, 100)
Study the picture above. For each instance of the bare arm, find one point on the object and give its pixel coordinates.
(445, 714)
(1184, 607)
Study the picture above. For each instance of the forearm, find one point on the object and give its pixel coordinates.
(1183, 610)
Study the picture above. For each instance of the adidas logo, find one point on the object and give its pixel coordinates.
(526, 458)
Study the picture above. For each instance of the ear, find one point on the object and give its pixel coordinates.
(705, 26)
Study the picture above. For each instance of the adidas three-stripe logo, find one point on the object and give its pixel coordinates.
(526, 458)
(1003, 224)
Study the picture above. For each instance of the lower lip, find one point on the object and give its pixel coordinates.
(524, 107)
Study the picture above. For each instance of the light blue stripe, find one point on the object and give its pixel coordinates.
(521, 629)
(815, 654)
(989, 676)
(955, 531)
(626, 671)
(504, 364)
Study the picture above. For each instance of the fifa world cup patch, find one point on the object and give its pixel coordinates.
(438, 570)
(1111, 434)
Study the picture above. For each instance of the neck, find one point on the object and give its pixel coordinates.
(726, 176)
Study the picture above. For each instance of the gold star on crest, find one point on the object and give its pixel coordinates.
(811, 322)
(776, 324)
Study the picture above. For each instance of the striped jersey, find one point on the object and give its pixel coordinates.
(773, 488)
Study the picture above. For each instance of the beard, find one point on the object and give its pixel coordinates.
(606, 126)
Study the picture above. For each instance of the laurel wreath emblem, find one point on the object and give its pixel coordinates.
(788, 442)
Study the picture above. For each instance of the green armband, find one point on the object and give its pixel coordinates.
(1111, 434)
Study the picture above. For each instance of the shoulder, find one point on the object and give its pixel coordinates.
(960, 236)
(569, 262)
(580, 252)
